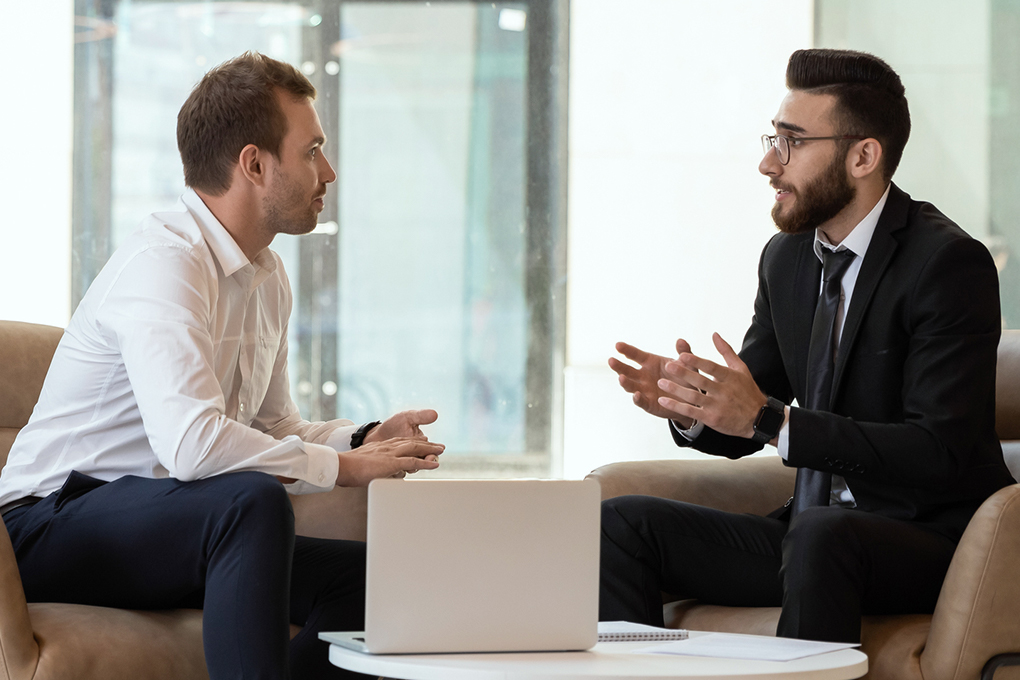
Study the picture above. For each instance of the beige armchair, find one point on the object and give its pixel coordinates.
(54, 641)
(977, 617)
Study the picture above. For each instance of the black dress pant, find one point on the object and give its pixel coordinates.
(224, 544)
(826, 568)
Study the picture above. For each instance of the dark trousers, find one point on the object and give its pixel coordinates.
(825, 568)
(224, 544)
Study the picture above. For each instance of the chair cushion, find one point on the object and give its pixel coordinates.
(100, 643)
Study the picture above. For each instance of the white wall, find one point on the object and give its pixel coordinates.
(667, 212)
(36, 43)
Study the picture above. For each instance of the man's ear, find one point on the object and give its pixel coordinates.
(865, 158)
(251, 163)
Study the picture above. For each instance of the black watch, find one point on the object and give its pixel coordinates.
(358, 438)
(769, 421)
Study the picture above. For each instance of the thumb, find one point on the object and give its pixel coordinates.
(422, 417)
(731, 358)
(682, 346)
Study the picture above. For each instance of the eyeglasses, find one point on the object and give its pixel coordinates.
(782, 144)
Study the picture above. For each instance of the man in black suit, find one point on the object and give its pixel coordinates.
(880, 317)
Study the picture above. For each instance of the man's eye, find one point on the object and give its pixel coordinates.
(313, 152)
(794, 141)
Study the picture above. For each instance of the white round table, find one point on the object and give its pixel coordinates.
(605, 661)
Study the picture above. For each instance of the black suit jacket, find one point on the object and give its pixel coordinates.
(912, 423)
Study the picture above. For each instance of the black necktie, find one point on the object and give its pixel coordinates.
(813, 486)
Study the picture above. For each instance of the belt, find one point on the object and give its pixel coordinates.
(27, 500)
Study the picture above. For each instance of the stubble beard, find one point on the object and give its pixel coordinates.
(818, 202)
(287, 210)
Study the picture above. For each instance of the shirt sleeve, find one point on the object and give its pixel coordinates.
(158, 314)
(691, 433)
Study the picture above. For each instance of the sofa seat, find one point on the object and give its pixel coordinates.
(101, 643)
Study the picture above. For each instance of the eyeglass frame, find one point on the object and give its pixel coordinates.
(772, 143)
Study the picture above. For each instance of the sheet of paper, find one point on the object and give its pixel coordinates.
(756, 647)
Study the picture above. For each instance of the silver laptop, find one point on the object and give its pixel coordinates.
(480, 566)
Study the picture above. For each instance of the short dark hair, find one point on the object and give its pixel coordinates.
(234, 105)
(869, 96)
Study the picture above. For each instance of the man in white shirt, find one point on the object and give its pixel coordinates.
(880, 316)
(154, 471)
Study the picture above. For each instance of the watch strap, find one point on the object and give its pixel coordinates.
(358, 438)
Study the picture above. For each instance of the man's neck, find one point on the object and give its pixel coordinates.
(240, 220)
(840, 226)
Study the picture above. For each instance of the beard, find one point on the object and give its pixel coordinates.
(818, 202)
(288, 209)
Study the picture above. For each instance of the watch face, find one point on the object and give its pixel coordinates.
(769, 422)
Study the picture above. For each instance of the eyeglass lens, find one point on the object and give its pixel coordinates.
(781, 145)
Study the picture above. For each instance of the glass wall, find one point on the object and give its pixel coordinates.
(435, 276)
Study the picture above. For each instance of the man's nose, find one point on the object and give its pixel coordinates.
(329, 175)
(770, 165)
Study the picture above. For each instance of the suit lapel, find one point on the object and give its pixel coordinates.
(807, 284)
(876, 260)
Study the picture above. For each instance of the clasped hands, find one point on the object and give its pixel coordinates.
(394, 448)
(691, 388)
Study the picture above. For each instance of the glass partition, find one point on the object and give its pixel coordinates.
(436, 275)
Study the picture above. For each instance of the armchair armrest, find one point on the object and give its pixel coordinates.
(341, 513)
(19, 652)
(757, 485)
(976, 615)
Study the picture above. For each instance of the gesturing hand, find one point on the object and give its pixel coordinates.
(393, 457)
(726, 398)
(403, 424)
(643, 382)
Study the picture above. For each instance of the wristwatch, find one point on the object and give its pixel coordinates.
(358, 438)
(769, 421)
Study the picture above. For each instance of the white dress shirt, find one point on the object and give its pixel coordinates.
(175, 365)
(857, 241)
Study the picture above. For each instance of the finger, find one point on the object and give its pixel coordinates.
(423, 416)
(629, 385)
(684, 375)
(681, 408)
(682, 346)
(632, 353)
(645, 402)
(624, 369)
(696, 397)
(730, 356)
(411, 465)
(696, 363)
(418, 448)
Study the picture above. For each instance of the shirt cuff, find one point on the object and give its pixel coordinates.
(340, 438)
(322, 471)
(691, 433)
(783, 445)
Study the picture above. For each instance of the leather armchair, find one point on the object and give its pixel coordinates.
(977, 617)
(56, 641)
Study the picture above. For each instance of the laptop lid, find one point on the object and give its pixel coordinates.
(482, 565)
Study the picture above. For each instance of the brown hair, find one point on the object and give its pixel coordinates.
(870, 99)
(234, 105)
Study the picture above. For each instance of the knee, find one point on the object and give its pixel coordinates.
(257, 497)
(818, 536)
(622, 515)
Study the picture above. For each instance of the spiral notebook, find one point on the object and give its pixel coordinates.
(625, 631)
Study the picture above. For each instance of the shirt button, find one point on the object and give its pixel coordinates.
(241, 407)
(322, 477)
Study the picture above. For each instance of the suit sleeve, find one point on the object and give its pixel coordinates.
(948, 385)
(760, 352)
